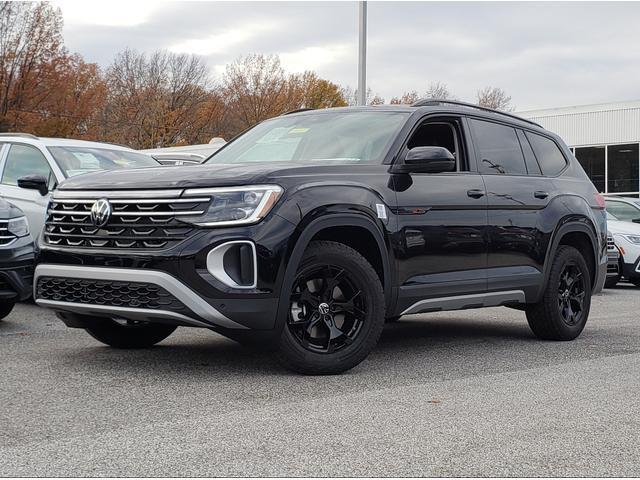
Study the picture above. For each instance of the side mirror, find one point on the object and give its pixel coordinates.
(34, 182)
(429, 160)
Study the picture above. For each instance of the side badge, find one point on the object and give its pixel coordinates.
(382, 211)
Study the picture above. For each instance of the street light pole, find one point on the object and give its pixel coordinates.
(362, 53)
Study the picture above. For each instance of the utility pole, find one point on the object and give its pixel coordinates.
(362, 53)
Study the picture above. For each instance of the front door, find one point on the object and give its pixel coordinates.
(442, 218)
(22, 160)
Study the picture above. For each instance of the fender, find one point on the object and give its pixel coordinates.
(576, 224)
(327, 221)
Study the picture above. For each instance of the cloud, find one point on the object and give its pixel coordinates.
(315, 57)
(542, 54)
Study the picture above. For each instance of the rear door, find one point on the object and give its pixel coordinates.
(517, 194)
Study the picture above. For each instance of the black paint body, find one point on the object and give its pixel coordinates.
(437, 239)
(16, 261)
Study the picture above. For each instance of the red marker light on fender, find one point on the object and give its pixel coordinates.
(600, 200)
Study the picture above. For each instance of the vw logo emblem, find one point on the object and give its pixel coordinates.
(100, 212)
(323, 308)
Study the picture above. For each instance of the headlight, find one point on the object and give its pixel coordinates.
(18, 226)
(633, 238)
(237, 205)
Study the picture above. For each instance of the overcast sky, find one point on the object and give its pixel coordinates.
(542, 54)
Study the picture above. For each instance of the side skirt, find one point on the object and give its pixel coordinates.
(460, 302)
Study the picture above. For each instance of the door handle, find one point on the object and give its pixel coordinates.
(475, 193)
(540, 194)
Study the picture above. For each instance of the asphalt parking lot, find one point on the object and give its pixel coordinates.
(457, 393)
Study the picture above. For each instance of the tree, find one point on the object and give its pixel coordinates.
(256, 88)
(30, 40)
(407, 98)
(351, 97)
(494, 97)
(438, 90)
(157, 100)
(314, 92)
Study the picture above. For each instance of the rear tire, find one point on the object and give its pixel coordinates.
(5, 309)
(563, 311)
(336, 312)
(130, 335)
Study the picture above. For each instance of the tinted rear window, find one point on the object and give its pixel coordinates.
(498, 147)
(548, 154)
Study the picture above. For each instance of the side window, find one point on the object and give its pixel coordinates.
(498, 148)
(444, 134)
(549, 156)
(25, 160)
(622, 211)
(529, 158)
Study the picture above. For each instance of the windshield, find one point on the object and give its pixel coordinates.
(77, 160)
(345, 137)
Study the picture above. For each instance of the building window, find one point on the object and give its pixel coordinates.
(623, 168)
(592, 160)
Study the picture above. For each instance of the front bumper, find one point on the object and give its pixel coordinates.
(169, 286)
(16, 270)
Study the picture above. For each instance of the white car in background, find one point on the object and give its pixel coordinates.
(55, 159)
(626, 236)
(186, 154)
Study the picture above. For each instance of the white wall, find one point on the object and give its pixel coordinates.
(591, 124)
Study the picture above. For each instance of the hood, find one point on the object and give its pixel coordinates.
(9, 210)
(618, 227)
(208, 175)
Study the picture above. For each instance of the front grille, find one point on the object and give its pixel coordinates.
(110, 293)
(135, 223)
(5, 236)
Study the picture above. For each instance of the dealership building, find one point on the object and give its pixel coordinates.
(605, 138)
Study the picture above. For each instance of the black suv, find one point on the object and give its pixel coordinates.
(310, 229)
(16, 257)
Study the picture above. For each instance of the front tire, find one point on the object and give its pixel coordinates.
(336, 312)
(129, 334)
(5, 309)
(562, 312)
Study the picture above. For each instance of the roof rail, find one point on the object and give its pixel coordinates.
(436, 101)
(23, 135)
(298, 110)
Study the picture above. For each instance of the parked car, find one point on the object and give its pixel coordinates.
(54, 159)
(626, 236)
(625, 209)
(614, 263)
(16, 257)
(309, 229)
(186, 154)
(179, 159)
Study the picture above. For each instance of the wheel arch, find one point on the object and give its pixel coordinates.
(580, 233)
(339, 227)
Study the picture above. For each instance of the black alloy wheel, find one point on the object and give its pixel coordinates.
(327, 309)
(336, 311)
(571, 295)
